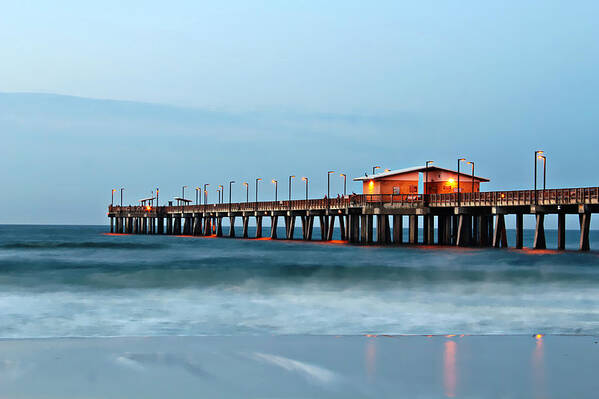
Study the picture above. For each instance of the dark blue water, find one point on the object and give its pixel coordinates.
(77, 281)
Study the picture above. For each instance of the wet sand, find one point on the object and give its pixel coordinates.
(301, 367)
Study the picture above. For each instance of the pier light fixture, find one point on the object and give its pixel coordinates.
(221, 193)
(459, 160)
(122, 188)
(472, 163)
(374, 168)
(257, 180)
(538, 153)
(157, 191)
(290, 177)
(230, 185)
(306, 180)
(426, 176)
(276, 183)
(344, 183)
(183, 192)
(544, 158)
(329, 173)
(247, 191)
(206, 193)
(112, 200)
(198, 189)
(387, 170)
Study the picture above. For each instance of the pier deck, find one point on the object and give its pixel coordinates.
(472, 219)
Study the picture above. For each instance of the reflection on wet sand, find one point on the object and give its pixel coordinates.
(538, 368)
(449, 368)
(370, 358)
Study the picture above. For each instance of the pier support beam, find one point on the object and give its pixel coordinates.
(246, 221)
(219, 226)
(398, 229)
(111, 224)
(413, 229)
(539, 242)
(207, 225)
(289, 227)
(383, 232)
(519, 230)
(561, 231)
(231, 226)
(464, 230)
(160, 225)
(354, 228)
(585, 225)
(274, 220)
(308, 227)
(197, 226)
(363, 228)
(258, 226)
(343, 227)
(330, 226)
(483, 228)
(499, 235)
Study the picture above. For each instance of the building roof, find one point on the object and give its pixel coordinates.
(416, 169)
(182, 199)
(147, 199)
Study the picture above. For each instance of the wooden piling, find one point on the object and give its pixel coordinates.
(413, 229)
(561, 231)
(246, 221)
(258, 226)
(519, 231)
(231, 226)
(585, 226)
(539, 241)
(274, 221)
(499, 234)
(398, 229)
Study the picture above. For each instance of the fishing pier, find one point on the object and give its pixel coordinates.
(470, 219)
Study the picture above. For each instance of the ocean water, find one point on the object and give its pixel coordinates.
(77, 281)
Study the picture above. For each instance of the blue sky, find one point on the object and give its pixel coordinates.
(317, 83)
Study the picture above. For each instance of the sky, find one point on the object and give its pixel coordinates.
(270, 88)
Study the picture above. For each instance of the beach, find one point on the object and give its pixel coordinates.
(301, 367)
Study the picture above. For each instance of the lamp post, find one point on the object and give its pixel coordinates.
(206, 193)
(257, 180)
(306, 180)
(198, 195)
(183, 194)
(276, 183)
(112, 199)
(472, 163)
(344, 183)
(329, 173)
(247, 191)
(375, 168)
(221, 192)
(537, 154)
(290, 177)
(230, 185)
(122, 188)
(544, 158)
(459, 160)
(157, 191)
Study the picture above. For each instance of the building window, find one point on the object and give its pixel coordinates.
(396, 190)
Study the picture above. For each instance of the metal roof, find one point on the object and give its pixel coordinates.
(415, 169)
(147, 199)
(182, 199)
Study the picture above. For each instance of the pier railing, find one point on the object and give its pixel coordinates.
(565, 196)
(562, 196)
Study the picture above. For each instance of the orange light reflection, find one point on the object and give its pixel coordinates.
(449, 369)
